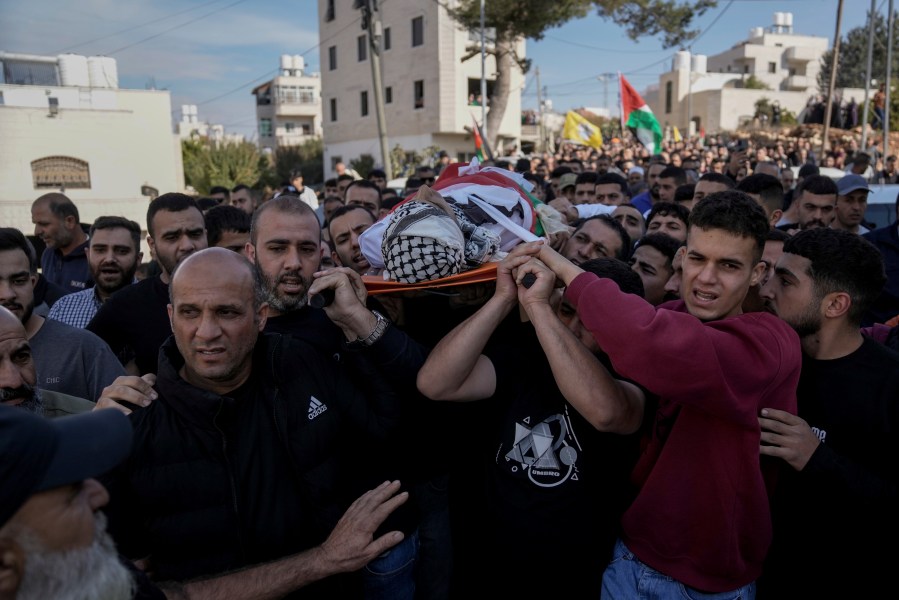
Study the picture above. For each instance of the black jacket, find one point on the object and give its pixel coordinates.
(215, 483)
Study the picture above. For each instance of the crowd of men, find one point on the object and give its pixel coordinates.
(692, 392)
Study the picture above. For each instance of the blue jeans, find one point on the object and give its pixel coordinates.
(392, 575)
(628, 578)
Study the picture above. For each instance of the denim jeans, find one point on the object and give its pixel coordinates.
(629, 579)
(392, 575)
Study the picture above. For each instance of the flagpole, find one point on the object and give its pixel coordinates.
(483, 72)
(620, 107)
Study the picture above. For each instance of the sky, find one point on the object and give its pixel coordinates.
(213, 52)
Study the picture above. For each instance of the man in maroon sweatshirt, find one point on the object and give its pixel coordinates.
(701, 518)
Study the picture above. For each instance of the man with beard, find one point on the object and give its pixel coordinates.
(816, 200)
(69, 360)
(113, 255)
(837, 492)
(645, 200)
(53, 543)
(135, 321)
(852, 202)
(18, 380)
(57, 223)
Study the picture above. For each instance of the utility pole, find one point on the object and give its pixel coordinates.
(371, 22)
(868, 76)
(889, 84)
(484, 77)
(825, 144)
(540, 136)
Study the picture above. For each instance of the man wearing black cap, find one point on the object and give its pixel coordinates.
(378, 177)
(53, 542)
(852, 201)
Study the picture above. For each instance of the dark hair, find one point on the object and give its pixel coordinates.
(816, 184)
(171, 202)
(718, 178)
(679, 175)
(389, 200)
(768, 187)
(345, 177)
(807, 170)
(344, 210)
(777, 235)
(625, 252)
(239, 187)
(118, 222)
(669, 209)
(285, 203)
(684, 193)
(559, 171)
(608, 178)
(219, 189)
(522, 165)
(204, 204)
(734, 212)
(294, 173)
(331, 182)
(841, 262)
(377, 173)
(60, 206)
(585, 177)
(576, 161)
(662, 242)
(13, 239)
(628, 280)
(331, 198)
(224, 218)
(365, 184)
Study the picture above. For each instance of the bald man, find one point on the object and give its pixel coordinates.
(57, 224)
(207, 489)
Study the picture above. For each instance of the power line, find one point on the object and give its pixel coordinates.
(104, 37)
(185, 24)
(614, 51)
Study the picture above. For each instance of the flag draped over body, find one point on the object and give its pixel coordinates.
(579, 130)
(637, 116)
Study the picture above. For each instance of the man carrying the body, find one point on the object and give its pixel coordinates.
(701, 517)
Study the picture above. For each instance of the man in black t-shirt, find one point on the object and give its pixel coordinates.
(134, 321)
(836, 500)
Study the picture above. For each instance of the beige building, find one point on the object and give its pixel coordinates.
(712, 87)
(190, 126)
(289, 108)
(427, 87)
(66, 126)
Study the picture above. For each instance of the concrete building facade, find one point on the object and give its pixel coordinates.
(429, 92)
(713, 87)
(110, 150)
(289, 108)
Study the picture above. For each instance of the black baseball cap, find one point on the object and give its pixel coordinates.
(38, 454)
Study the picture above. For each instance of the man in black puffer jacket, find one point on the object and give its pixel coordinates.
(241, 460)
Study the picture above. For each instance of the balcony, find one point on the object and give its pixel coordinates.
(801, 55)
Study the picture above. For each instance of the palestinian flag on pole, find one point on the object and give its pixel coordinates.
(637, 116)
(481, 148)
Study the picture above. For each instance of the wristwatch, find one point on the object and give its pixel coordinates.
(377, 332)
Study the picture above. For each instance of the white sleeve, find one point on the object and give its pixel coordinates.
(585, 211)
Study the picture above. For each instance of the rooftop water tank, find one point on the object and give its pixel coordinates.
(779, 19)
(788, 19)
(699, 63)
(299, 64)
(756, 32)
(681, 60)
(103, 72)
(286, 64)
(185, 113)
(73, 70)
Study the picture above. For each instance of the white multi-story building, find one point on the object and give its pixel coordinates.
(714, 89)
(190, 126)
(289, 108)
(429, 92)
(67, 127)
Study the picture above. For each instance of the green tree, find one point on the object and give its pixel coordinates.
(854, 56)
(363, 165)
(754, 83)
(514, 20)
(208, 163)
(308, 157)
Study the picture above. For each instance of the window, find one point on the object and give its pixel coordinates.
(387, 38)
(669, 93)
(60, 172)
(419, 94)
(332, 58)
(361, 48)
(772, 67)
(307, 129)
(265, 127)
(295, 94)
(363, 101)
(290, 127)
(333, 104)
(418, 31)
(329, 12)
(746, 68)
(388, 95)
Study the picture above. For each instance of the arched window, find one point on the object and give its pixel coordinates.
(61, 172)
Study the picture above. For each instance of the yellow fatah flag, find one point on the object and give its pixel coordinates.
(579, 130)
(677, 136)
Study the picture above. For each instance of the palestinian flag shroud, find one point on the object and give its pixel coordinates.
(637, 116)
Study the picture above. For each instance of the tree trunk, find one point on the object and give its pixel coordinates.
(505, 62)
